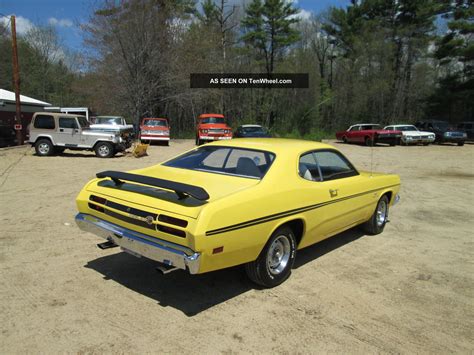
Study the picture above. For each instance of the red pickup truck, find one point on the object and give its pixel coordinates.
(211, 127)
(155, 129)
(369, 134)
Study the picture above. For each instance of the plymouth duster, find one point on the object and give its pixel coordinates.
(252, 201)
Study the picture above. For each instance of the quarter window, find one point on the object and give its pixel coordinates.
(44, 122)
(308, 167)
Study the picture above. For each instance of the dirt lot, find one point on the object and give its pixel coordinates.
(407, 290)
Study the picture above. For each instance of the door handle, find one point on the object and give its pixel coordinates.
(333, 192)
(61, 130)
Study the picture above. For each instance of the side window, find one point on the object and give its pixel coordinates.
(67, 122)
(355, 128)
(308, 167)
(44, 122)
(334, 165)
(389, 128)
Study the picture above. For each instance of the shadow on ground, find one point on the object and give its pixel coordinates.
(193, 294)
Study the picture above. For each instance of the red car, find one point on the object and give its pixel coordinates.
(155, 129)
(212, 127)
(369, 134)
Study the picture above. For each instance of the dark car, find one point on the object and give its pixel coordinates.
(467, 127)
(443, 131)
(251, 131)
(7, 136)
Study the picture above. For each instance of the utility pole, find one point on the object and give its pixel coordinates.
(16, 82)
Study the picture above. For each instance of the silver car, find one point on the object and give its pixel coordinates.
(54, 132)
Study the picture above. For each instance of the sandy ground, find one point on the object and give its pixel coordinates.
(408, 290)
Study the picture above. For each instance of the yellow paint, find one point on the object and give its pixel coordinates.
(235, 200)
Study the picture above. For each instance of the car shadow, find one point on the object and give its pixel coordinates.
(192, 294)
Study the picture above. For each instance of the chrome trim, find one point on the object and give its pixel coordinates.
(152, 248)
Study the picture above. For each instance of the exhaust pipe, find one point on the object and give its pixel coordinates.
(165, 269)
(107, 245)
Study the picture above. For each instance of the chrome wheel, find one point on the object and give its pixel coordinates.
(104, 150)
(278, 255)
(43, 148)
(381, 213)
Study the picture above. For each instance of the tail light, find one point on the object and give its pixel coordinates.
(172, 220)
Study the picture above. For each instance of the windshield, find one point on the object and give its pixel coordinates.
(83, 121)
(108, 120)
(370, 126)
(441, 125)
(406, 128)
(212, 120)
(239, 162)
(162, 123)
(254, 130)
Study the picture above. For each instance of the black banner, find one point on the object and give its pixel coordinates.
(250, 80)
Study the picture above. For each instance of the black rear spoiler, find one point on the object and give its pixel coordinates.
(182, 190)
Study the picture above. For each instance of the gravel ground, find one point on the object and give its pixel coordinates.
(408, 290)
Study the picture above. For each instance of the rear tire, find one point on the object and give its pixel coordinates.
(273, 265)
(344, 139)
(104, 150)
(460, 144)
(44, 147)
(378, 220)
(369, 142)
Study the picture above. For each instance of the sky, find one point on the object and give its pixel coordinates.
(67, 15)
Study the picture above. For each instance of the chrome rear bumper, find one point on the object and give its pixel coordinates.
(137, 243)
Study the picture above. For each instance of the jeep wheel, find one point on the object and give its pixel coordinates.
(44, 147)
(104, 150)
(273, 265)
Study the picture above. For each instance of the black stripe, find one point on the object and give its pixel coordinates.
(288, 213)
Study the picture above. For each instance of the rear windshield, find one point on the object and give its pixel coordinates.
(208, 120)
(162, 123)
(247, 163)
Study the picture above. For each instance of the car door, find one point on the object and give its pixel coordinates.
(68, 134)
(335, 185)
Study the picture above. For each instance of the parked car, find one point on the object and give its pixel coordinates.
(443, 132)
(468, 128)
(7, 136)
(245, 201)
(368, 134)
(411, 134)
(251, 131)
(113, 124)
(212, 127)
(155, 129)
(52, 132)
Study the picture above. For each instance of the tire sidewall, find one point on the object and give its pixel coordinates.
(268, 278)
(109, 146)
(44, 141)
(379, 229)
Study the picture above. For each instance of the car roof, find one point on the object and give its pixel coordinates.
(155, 118)
(58, 114)
(400, 125)
(250, 125)
(206, 115)
(108, 116)
(275, 145)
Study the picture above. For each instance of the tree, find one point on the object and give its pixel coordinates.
(268, 28)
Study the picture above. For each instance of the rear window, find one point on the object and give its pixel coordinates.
(44, 122)
(247, 163)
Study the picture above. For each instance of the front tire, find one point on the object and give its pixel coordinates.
(376, 223)
(104, 150)
(460, 144)
(273, 265)
(44, 147)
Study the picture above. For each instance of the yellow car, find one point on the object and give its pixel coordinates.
(245, 201)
